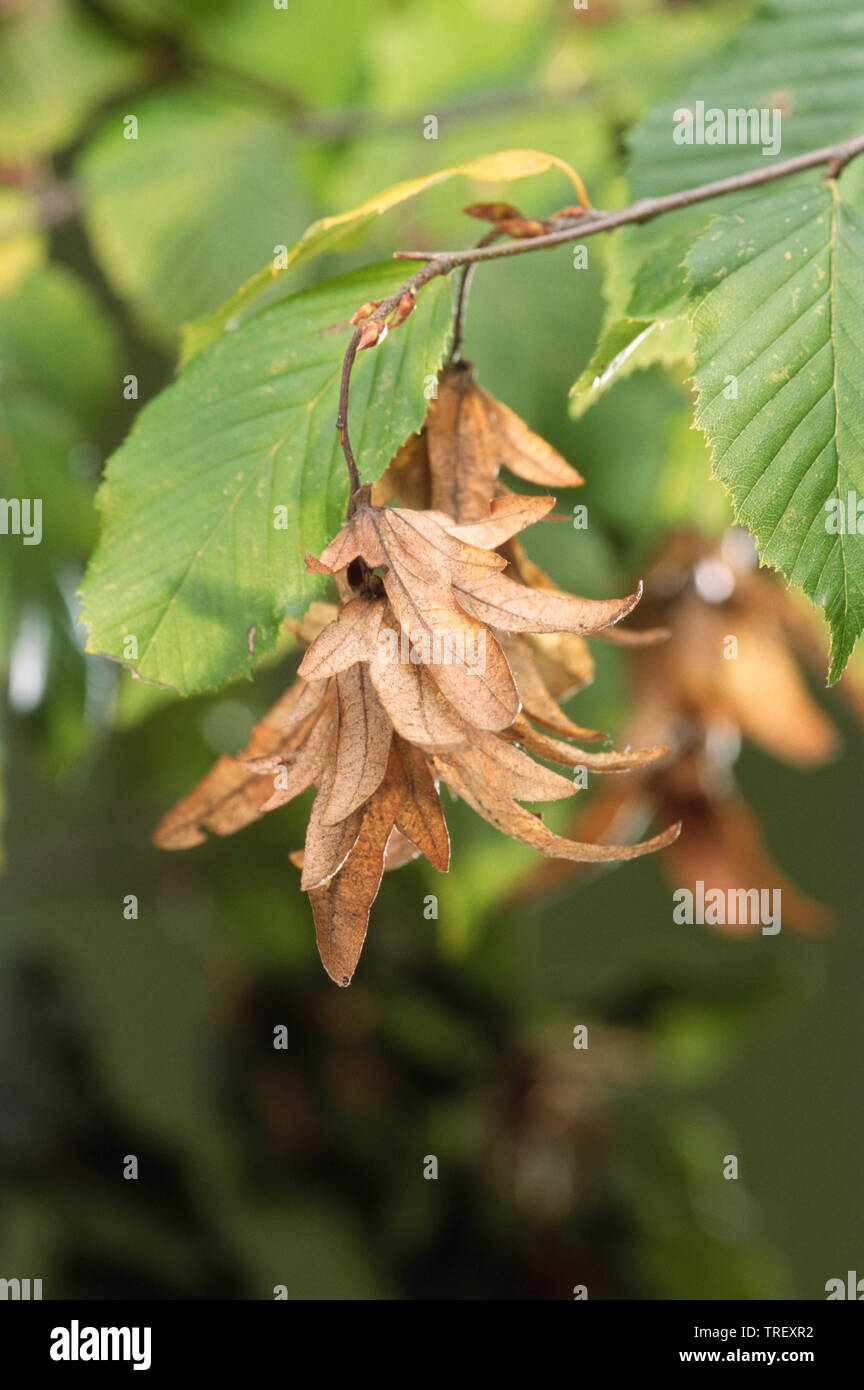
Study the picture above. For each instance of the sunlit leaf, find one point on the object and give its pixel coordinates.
(779, 302)
(195, 551)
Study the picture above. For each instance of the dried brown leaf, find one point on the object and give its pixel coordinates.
(557, 752)
(327, 846)
(420, 816)
(721, 846)
(417, 709)
(508, 515)
(523, 452)
(304, 767)
(399, 851)
(514, 820)
(461, 448)
(566, 648)
(343, 643)
(764, 692)
(341, 908)
(537, 703)
(316, 617)
(470, 436)
(231, 796)
(415, 545)
(422, 564)
(406, 797)
(563, 660)
(501, 602)
(362, 748)
(406, 477)
(509, 772)
(633, 637)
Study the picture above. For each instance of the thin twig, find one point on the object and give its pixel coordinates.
(462, 298)
(440, 266)
(646, 209)
(342, 418)
(836, 157)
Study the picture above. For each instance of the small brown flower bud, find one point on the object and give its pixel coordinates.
(364, 311)
(522, 226)
(403, 309)
(492, 212)
(373, 333)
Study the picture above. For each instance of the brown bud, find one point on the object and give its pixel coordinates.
(364, 311)
(522, 226)
(492, 212)
(402, 310)
(373, 333)
(575, 211)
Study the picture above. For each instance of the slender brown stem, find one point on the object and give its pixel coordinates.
(836, 157)
(465, 279)
(646, 209)
(342, 418)
(440, 266)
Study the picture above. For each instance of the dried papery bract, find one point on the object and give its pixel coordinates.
(703, 696)
(453, 465)
(232, 795)
(471, 436)
(425, 672)
(406, 802)
(468, 437)
(443, 584)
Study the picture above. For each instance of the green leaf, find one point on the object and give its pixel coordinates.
(22, 242)
(645, 323)
(487, 56)
(190, 208)
(190, 559)
(316, 54)
(42, 328)
(801, 57)
(55, 66)
(779, 291)
(52, 394)
(625, 346)
(658, 285)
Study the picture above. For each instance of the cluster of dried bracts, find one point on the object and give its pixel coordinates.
(729, 671)
(443, 662)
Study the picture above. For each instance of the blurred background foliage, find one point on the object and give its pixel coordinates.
(154, 1037)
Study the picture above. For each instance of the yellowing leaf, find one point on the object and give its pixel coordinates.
(503, 167)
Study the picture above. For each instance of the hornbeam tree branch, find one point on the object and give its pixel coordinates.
(462, 297)
(592, 221)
